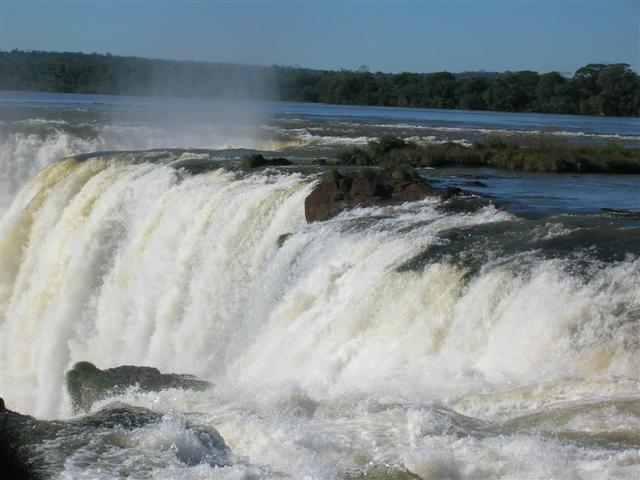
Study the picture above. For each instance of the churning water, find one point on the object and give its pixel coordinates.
(477, 338)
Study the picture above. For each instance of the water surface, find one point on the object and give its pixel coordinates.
(494, 336)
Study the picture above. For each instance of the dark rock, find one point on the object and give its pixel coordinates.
(476, 184)
(344, 184)
(404, 191)
(622, 212)
(336, 192)
(87, 384)
(18, 436)
(325, 200)
(278, 161)
(363, 188)
(257, 160)
(282, 238)
(450, 192)
(21, 434)
(17, 460)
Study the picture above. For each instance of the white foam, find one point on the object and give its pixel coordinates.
(325, 355)
(307, 138)
(506, 132)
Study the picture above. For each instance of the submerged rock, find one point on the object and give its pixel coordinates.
(320, 161)
(382, 472)
(87, 384)
(30, 447)
(282, 238)
(476, 183)
(336, 192)
(622, 212)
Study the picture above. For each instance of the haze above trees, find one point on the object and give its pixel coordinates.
(595, 89)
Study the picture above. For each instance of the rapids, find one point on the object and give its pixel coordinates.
(456, 340)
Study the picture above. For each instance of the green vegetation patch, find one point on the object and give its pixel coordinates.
(542, 154)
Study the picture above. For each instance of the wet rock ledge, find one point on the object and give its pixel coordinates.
(112, 427)
(22, 436)
(336, 192)
(87, 384)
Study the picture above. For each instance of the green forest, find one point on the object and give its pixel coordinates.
(595, 89)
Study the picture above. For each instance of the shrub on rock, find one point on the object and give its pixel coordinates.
(257, 160)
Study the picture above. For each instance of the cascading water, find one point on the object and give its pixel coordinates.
(335, 328)
(475, 338)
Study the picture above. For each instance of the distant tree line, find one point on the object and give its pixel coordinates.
(72, 72)
(595, 89)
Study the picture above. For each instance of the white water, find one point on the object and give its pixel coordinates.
(37, 142)
(325, 357)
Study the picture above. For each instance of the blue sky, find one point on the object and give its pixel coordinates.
(420, 36)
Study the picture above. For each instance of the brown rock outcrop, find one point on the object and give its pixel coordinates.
(337, 192)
